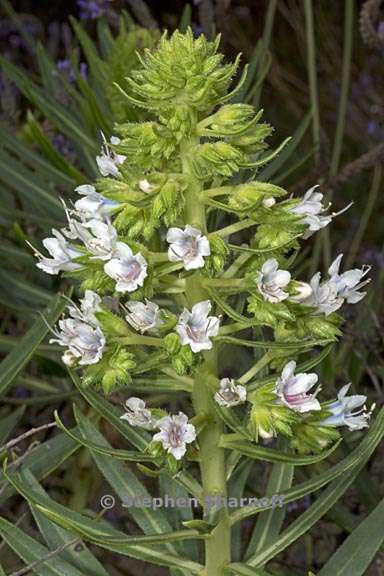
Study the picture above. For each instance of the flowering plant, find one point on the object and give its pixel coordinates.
(166, 293)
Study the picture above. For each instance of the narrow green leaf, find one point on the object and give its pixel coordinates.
(274, 166)
(107, 537)
(51, 153)
(361, 453)
(127, 455)
(26, 155)
(58, 114)
(243, 570)
(9, 422)
(229, 417)
(18, 289)
(30, 551)
(32, 189)
(77, 554)
(17, 359)
(125, 484)
(96, 65)
(41, 461)
(136, 437)
(302, 367)
(305, 344)
(312, 515)
(186, 18)
(356, 553)
(270, 521)
(269, 454)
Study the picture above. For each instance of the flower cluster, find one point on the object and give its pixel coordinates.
(175, 431)
(81, 332)
(290, 401)
(140, 234)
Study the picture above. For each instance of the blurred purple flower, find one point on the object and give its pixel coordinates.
(64, 147)
(301, 504)
(65, 66)
(374, 257)
(197, 30)
(92, 9)
(21, 392)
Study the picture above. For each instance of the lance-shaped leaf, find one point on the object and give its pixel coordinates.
(41, 461)
(256, 452)
(270, 521)
(274, 166)
(242, 570)
(356, 553)
(12, 365)
(128, 455)
(107, 537)
(229, 417)
(125, 485)
(56, 537)
(136, 437)
(31, 551)
(302, 367)
(303, 345)
(361, 454)
(9, 422)
(312, 515)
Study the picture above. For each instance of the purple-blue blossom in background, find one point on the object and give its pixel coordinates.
(92, 9)
(65, 66)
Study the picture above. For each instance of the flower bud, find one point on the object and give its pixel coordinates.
(172, 343)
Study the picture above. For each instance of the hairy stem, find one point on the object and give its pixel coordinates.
(212, 459)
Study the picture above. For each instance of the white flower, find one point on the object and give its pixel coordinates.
(344, 411)
(137, 414)
(103, 240)
(175, 433)
(94, 205)
(99, 238)
(292, 389)
(85, 343)
(348, 283)
(271, 281)
(142, 316)
(189, 246)
(89, 305)
(196, 327)
(145, 186)
(230, 394)
(311, 209)
(128, 269)
(108, 161)
(324, 296)
(62, 255)
(302, 291)
(329, 296)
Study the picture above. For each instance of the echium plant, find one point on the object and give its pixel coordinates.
(167, 294)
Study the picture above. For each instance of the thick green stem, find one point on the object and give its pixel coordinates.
(212, 458)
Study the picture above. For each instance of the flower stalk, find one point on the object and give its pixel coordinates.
(212, 458)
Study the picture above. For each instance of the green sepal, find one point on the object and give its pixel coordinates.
(111, 372)
(111, 324)
(269, 313)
